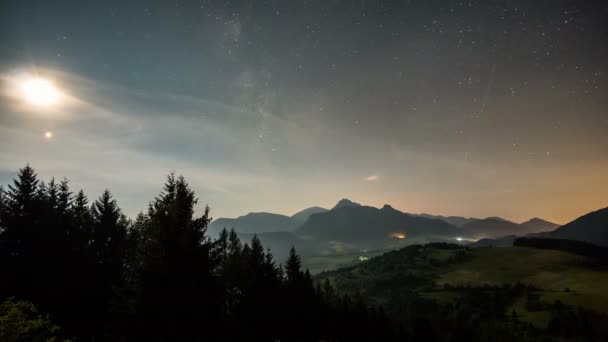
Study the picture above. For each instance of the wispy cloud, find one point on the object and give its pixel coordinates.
(372, 178)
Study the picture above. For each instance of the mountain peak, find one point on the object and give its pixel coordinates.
(537, 220)
(496, 218)
(346, 203)
(538, 225)
(303, 215)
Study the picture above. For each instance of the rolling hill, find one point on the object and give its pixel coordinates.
(592, 227)
(446, 272)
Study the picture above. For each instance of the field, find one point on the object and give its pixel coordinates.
(332, 261)
(449, 274)
(562, 276)
(318, 264)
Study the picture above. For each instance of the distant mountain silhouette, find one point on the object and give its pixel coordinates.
(301, 216)
(364, 226)
(368, 226)
(492, 227)
(538, 225)
(346, 203)
(457, 221)
(254, 223)
(592, 227)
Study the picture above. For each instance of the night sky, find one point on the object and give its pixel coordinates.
(474, 108)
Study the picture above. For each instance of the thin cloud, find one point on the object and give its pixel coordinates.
(372, 178)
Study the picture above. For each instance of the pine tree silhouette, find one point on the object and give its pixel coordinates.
(173, 271)
(160, 276)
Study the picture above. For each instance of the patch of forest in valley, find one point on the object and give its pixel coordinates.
(79, 270)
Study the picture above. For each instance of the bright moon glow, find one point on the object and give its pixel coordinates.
(39, 92)
(48, 134)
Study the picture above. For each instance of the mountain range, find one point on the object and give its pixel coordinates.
(457, 221)
(351, 226)
(493, 227)
(365, 226)
(263, 222)
(592, 228)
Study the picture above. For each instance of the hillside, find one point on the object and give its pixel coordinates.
(447, 273)
(592, 227)
(505, 241)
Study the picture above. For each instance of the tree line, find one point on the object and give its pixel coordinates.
(102, 276)
(571, 246)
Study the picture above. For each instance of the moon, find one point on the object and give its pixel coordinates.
(39, 92)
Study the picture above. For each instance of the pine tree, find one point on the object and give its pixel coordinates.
(81, 213)
(234, 245)
(256, 259)
(107, 249)
(109, 230)
(64, 197)
(22, 193)
(20, 220)
(81, 224)
(293, 268)
(3, 209)
(221, 251)
(50, 195)
(173, 278)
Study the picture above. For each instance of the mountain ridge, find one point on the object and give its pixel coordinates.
(591, 227)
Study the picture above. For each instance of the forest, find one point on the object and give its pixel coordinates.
(86, 272)
(80, 271)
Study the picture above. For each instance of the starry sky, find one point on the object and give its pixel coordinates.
(473, 108)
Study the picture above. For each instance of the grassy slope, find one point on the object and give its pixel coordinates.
(350, 257)
(552, 271)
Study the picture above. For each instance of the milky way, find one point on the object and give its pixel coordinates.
(474, 108)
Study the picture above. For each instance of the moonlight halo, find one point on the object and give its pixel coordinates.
(39, 91)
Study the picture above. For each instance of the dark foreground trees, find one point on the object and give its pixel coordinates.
(158, 277)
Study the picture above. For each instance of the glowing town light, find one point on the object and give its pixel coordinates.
(399, 236)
